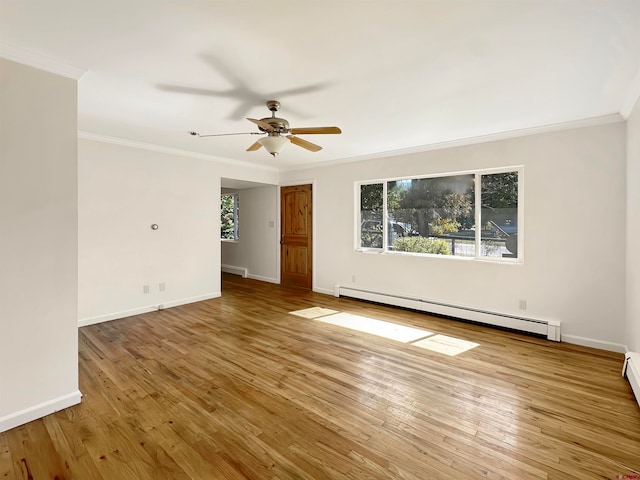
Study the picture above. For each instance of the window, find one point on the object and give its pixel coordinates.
(371, 215)
(499, 215)
(229, 216)
(438, 215)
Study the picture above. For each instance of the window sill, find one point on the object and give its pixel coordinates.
(494, 260)
(228, 240)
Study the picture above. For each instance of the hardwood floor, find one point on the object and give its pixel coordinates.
(236, 388)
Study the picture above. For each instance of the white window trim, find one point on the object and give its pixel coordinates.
(478, 199)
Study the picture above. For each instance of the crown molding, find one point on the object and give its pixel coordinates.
(40, 61)
(171, 151)
(492, 137)
(587, 122)
(631, 98)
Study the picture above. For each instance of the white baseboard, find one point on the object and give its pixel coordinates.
(83, 322)
(631, 371)
(592, 342)
(244, 273)
(263, 279)
(38, 411)
(232, 269)
(323, 290)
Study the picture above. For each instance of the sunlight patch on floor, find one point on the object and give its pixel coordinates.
(448, 345)
(313, 312)
(392, 331)
(401, 333)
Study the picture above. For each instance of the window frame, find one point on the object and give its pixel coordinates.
(236, 236)
(384, 250)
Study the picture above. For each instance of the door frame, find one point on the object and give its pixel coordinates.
(293, 183)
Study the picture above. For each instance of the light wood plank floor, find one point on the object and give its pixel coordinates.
(236, 388)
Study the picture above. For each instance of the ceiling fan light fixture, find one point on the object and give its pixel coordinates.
(274, 144)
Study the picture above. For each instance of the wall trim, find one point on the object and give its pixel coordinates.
(234, 270)
(123, 142)
(40, 61)
(594, 343)
(38, 411)
(631, 371)
(324, 291)
(492, 137)
(263, 279)
(83, 322)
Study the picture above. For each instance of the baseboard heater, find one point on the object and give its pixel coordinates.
(547, 328)
(234, 270)
(631, 371)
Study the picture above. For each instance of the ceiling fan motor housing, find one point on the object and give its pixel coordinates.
(279, 125)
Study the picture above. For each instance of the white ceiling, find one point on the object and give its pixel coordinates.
(394, 75)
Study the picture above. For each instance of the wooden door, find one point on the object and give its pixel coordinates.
(295, 236)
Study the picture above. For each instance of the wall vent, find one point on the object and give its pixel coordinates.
(548, 328)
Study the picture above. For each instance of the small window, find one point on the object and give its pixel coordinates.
(229, 216)
(371, 215)
(499, 215)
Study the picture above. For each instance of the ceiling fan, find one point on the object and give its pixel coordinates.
(278, 133)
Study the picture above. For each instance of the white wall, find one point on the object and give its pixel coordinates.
(633, 230)
(257, 245)
(122, 192)
(38, 244)
(574, 268)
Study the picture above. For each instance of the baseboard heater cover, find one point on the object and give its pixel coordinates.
(631, 371)
(242, 271)
(548, 328)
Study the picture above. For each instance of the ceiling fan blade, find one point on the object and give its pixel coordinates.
(261, 124)
(304, 144)
(223, 134)
(315, 130)
(192, 91)
(254, 147)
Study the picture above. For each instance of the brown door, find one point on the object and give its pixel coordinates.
(295, 236)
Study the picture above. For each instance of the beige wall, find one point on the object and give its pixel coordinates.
(38, 243)
(574, 204)
(122, 192)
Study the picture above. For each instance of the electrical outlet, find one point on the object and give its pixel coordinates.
(145, 289)
(353, 279)
(161, 287)
(522, 304)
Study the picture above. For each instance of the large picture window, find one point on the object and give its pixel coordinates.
(440, 215)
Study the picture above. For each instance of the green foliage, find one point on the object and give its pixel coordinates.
(421, 245)
(371, 208)
(371, 234)
(500, 190)
(499, 198)
(426, 203)
(228, 216)
(371, 197)
(444, 225)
